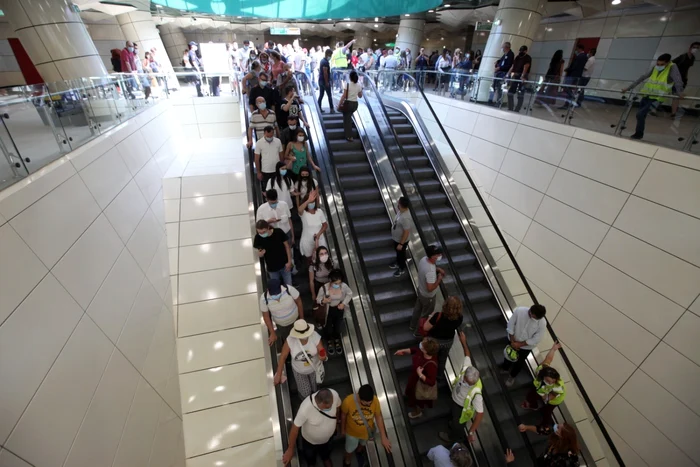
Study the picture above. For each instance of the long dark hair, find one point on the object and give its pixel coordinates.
(317, 263)
(564, 442)
(279, 177)
(310, 183)
(557, 58)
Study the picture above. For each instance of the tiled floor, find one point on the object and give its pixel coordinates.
(221, 350)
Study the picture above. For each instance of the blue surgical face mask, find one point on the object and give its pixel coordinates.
(269, 138)
(262, 106)
(660, 67)
(312, 205)
(130, 49)
(265, 234)
(335, 286)
(328, 409)
(273, 205)
(263, 84)
(283, 172)
(555, 427)
(420, 346)
(276, 297)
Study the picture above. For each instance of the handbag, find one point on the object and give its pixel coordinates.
(425, 392)
(321, 310)
(372, 435)
(320, 371)
(422, 321)
(344, 106)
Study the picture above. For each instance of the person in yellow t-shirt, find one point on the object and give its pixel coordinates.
(358, 427)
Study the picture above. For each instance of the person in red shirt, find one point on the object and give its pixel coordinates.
(425, 369)
(128, 61)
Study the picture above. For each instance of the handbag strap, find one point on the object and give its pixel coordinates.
(364, 420)
(311, 362)
(319, 410)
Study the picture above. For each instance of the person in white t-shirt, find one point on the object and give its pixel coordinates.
(467, 401)
(280, 304)
(317, 419)
(587, 73)
(305, 347)
(276, 212)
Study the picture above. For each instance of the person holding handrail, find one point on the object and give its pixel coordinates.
(549, 390)
(525, 330)
(562, 445)
(660, 81)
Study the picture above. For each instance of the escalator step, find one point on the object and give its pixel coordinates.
(369, 209)
(441, 212)
(471, 276)
(375, 240)
(409, 149)
(364, 224)
(398, 120)
(342, 145)
(357, 181)
(436, 199)
(418, 161)
(362, 194)
(478, 293)
(448, 226)
(332, 124)
(349, 156)
(463, 259)
(455, 240)
(410, 138)
(429, 185)
(396, 292)
(355, 168)
(421, 173)
(398, 336)
(495, 334)
(339, 133)
(396, 313)
(383, 257)
(402, 128)
(488, 311)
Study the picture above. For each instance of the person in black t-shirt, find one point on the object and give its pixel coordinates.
(518, 73)
(502, 66)
(290, 106)
(684, 62)
(263, 89)
(442, 326)
(272, 244)
(324, 80)
(574, 73)
(290, 132)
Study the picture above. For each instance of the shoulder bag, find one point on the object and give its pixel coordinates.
(372, 434)
(321, 310)
(320, 371)
(425, 392)
(422, 321)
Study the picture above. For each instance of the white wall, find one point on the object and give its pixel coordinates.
(606, 231)
(208, 117)
(87, 344)
(630, 41)
(107, 35)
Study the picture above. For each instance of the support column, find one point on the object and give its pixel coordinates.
(139, 27)
(411, 34)
(55, 39)
(516, 21)
(175, 42)
(363, 40)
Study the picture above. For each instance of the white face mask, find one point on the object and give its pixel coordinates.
(323, 258)
(292, 127)
(300, 139)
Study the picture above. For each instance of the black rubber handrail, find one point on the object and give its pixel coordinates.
(565, 359)
(455, 274)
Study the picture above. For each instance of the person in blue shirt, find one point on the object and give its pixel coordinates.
(463, 68)
(502, 66)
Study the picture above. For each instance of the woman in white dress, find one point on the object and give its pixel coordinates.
(282, 182)
(314, 224)
(304, 184)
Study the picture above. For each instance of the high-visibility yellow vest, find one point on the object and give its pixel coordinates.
(544, 389)
(468, 411)
(339, 59)
(657, 85)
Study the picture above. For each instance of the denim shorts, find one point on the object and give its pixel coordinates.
(351, 443)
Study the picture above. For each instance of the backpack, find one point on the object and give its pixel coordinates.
(267, 293)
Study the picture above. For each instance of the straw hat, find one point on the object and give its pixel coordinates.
(301, 329)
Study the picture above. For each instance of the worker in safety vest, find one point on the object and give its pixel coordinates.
(659, 82)
(467, 401)
(339, 62)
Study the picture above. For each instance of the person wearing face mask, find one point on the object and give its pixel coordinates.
(457, 456)
(281, 305)
(290, 131)
(467, 401)
(262, 90)
(429, 278)
(250, 80)
(319, 270)
(283, 183)
(304, 185)
(243, 54)
(441, 326)
(307, 352)
(501, 66)
(423, 372)
(336, 295)
(562, 445)
(196, 64)
(128, 65)
(400, 230)
(660, 81)
(277, 214)
(684, 62)
(273, 245)
(549, 390)
(361, 417)
(261, 117)
(316, 418)
(297, 154)
(526, 328)
(314, 225)
(517, 74)
(290, 106)
(422, 62)
(268, 152)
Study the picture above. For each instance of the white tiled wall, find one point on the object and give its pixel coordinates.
(208, 117)
(630, 41)
(87, 344)
(606, 231)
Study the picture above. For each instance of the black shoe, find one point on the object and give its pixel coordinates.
(393, 266)
(399, 272)
(637, 136)
(338, 347)
(331, 347)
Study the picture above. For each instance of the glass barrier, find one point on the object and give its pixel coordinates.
(607, 110)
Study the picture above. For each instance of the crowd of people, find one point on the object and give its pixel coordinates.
(147, 71)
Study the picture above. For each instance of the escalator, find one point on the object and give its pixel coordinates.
(487, 313)
(393, 297)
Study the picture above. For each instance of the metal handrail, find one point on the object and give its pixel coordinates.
(565, 359)
(455, 274)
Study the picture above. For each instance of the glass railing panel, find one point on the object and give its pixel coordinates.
(12, 166)
(73, 112)
(105, 102)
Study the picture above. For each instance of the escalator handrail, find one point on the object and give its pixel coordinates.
(382, 335)
(565, 359)
(365, 278)
(455, 274)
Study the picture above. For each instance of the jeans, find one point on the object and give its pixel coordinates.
(645, 106)
(401, 255)
(282, 275)
(583, 82)
(420, 77)
(516, 87)
(334, 323)
(325, 88)
(571, 81)
(516, 366)
(214, 83)
(350, 108)
(497, 87)
(423, 307)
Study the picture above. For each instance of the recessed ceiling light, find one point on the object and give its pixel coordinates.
(447, 5)
(376, 25)
(376, 19)
(239, 17)
(616, 2)
(346, 19)
(330, 19)
(488, 20)
(159, 6)
(223, 16)
(407, 14)
(442, 38)
(431, 11)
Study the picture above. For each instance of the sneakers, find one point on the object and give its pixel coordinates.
(399, 272)
(510, 382)
(338, 347)
(413, 415)
(393, 266)
(637, 136)
(331, 347)
(445, 437)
